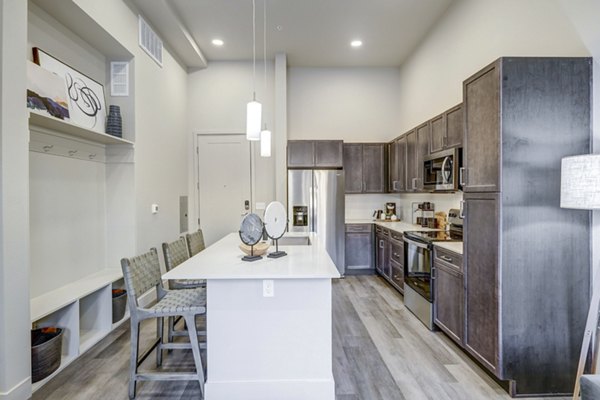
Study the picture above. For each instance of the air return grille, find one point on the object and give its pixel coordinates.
(149, 41)
(119, 78)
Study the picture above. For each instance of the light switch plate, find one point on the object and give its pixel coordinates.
(154, 208)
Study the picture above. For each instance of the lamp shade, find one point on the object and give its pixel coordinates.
(253, 117)
(580, 182)
(265, 143)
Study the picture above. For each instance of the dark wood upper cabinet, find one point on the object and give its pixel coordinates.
(446, 130)
(301, 154)
(353, 167)
(438, 133)
(454, 127)
(365, 167)
(329, 154)
(397, 165)
(411, 161)
(482, 132)
(374, 168)
(315, 154)
(422, 152)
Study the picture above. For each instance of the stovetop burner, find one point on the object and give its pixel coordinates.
(434, 236)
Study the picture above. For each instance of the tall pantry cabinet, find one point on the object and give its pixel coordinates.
(527, 261)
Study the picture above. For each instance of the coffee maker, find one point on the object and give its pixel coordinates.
(390, 209)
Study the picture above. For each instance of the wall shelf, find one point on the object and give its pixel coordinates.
(68, 128)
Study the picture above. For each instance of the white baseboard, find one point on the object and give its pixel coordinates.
(20, 392)
(314, 389)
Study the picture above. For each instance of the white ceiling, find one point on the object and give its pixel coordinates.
(312, 32)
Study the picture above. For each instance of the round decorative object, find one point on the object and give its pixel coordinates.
(275, 220)
(275, 225)
(251, 231)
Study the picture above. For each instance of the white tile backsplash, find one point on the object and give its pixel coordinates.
(360, 206)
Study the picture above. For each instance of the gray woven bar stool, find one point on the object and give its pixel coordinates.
(175, 253)
(195, 242)
(142, 273)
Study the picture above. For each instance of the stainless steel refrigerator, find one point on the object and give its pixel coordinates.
(316, 203)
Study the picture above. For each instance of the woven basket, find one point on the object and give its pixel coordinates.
(46, 349)
(119, 304)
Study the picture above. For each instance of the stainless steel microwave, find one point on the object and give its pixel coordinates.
(440, 170)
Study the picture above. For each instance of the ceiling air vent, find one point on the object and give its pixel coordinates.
(149, 41)
(119, 78)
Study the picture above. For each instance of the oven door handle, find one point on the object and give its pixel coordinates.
(421, 245)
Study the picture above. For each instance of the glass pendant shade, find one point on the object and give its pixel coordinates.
(253, 120)
(265, 143)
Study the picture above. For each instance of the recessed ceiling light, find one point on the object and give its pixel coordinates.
(218, 42)
(356, 43)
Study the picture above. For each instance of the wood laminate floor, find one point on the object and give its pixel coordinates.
(380, 352)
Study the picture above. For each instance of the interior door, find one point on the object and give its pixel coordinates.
(224, 184)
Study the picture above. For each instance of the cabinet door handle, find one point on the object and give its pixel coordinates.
(381, 244)
(462, 208)
(364, 185)
(462, 172)
(447, 259)
(414, 183)
(394, 185)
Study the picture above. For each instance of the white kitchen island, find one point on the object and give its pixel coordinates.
(261, 347)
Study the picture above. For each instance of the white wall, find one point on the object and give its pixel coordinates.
(161, 174)
(583, 14)
(353, 104)
(14, 205)
(469, 36)
(217, 98)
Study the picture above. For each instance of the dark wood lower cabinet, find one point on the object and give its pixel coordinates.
(448, 305)
(359, 248)
(389, 257)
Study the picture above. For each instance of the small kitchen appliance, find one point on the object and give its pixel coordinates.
(390, 209)
(418, 266)
(440, 171)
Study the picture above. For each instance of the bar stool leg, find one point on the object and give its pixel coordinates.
(160, 327)
(133, 362)
(191, 326)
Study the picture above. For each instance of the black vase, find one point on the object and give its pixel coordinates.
(114, 124)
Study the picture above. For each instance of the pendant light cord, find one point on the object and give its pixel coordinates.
(254, 49)
(265, 47)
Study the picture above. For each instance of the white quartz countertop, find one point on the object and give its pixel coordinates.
(223, 260)
(456, 247)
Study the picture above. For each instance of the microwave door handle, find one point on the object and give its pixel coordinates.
(445, 174)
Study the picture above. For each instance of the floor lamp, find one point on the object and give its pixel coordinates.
(580, 189)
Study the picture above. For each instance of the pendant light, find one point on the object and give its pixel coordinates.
(265, 134)
(253, 108)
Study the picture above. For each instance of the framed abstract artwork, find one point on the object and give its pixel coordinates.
(87, 104)
(46, 92)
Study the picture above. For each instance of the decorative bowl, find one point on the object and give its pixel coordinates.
(260, 248)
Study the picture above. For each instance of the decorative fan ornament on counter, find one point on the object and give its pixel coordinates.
(275, 225)
(251, 231)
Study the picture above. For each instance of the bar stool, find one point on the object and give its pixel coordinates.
(141, 274)
(195, 242)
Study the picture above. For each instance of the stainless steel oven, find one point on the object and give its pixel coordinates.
(440, 170)
(418, 261)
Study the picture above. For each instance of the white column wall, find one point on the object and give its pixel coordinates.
(15, 367)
